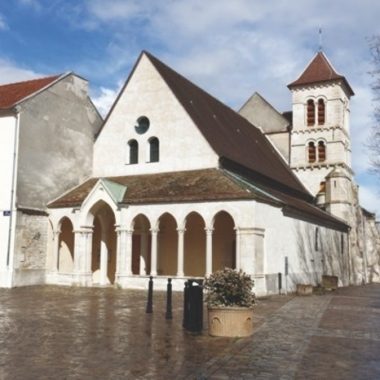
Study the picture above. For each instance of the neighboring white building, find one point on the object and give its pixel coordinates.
(181, 185)
(47, 129)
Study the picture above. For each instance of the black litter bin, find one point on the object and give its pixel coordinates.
(193, 306)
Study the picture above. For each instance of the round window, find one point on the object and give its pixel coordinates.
(142, 125)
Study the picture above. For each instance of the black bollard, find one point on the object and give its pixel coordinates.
(149, 305)
(279, 282)
(169, 314)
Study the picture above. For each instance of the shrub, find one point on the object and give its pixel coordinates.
(229, 287)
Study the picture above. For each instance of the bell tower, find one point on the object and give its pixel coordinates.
(320, 137)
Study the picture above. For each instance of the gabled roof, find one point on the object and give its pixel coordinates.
(13, 93)
(186, 186)
(230, 134)
(320, 70)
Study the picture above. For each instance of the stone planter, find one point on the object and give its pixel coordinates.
(230, 321)
(330, 282)
(304, 289)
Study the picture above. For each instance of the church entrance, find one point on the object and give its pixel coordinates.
(103, 258)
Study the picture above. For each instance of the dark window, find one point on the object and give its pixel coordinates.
(142, 125)
(342, 244)
(154, 149)
(321, 112)
(311, 152)
(133, 151)
(321, 151)
(310, 112)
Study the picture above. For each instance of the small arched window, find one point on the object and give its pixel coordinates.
(321, 151)
(133, 147)
(321, 112)
(316, 242)
(311, 151)
(310, 112)
(154, 149)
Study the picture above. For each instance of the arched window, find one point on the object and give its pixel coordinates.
(311, 152)
(154, 149)
(316, 242)
(321, 112)
(133, 147)
(310, 112)
(321, 151)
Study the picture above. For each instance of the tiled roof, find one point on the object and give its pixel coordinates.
(199, 186)
(13, 93)
(186, 186)
(319, 70)
(230, 134)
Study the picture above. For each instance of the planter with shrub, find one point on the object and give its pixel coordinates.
(230, 303)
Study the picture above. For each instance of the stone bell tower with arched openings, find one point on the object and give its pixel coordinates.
(320, 136)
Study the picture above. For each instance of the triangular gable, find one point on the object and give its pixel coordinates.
(259, 112)
(114, 191)
(230, 134)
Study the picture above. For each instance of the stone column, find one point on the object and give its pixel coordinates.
(124, 251)
(82, 254)
(181, 246)
(209, 232)
(55, 268)
(237, 253)
(153, 267)
(103, 263)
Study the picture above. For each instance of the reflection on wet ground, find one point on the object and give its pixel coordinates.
(80, 333)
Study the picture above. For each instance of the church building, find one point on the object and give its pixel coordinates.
(181, 185)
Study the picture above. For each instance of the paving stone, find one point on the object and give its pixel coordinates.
(81, 333)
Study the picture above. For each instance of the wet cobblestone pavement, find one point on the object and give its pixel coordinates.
(78, 333)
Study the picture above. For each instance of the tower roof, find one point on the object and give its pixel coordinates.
(320, 70)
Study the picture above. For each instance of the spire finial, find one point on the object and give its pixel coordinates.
(320, 39)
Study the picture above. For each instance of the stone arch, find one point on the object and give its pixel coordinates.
(141, 245)
(195, 245)
(65, 259)
(104, 243)
(167, 245)
(223, 241)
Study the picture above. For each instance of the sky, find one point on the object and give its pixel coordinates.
(230, 48)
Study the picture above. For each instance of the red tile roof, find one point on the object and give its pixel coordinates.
(320, 70)
(13, 93)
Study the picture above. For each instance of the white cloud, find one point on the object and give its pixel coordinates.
(104, 98)
(10, 72)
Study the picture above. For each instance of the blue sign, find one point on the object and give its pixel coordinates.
(7, 213)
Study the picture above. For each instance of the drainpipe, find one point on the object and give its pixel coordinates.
(12, 206)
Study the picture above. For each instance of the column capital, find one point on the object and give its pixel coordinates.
(57, 232)
(154, 230)
(85, 230)
(209, 230)
(181, 230)
(124, 229)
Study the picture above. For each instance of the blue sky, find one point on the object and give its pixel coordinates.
(231, 48)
